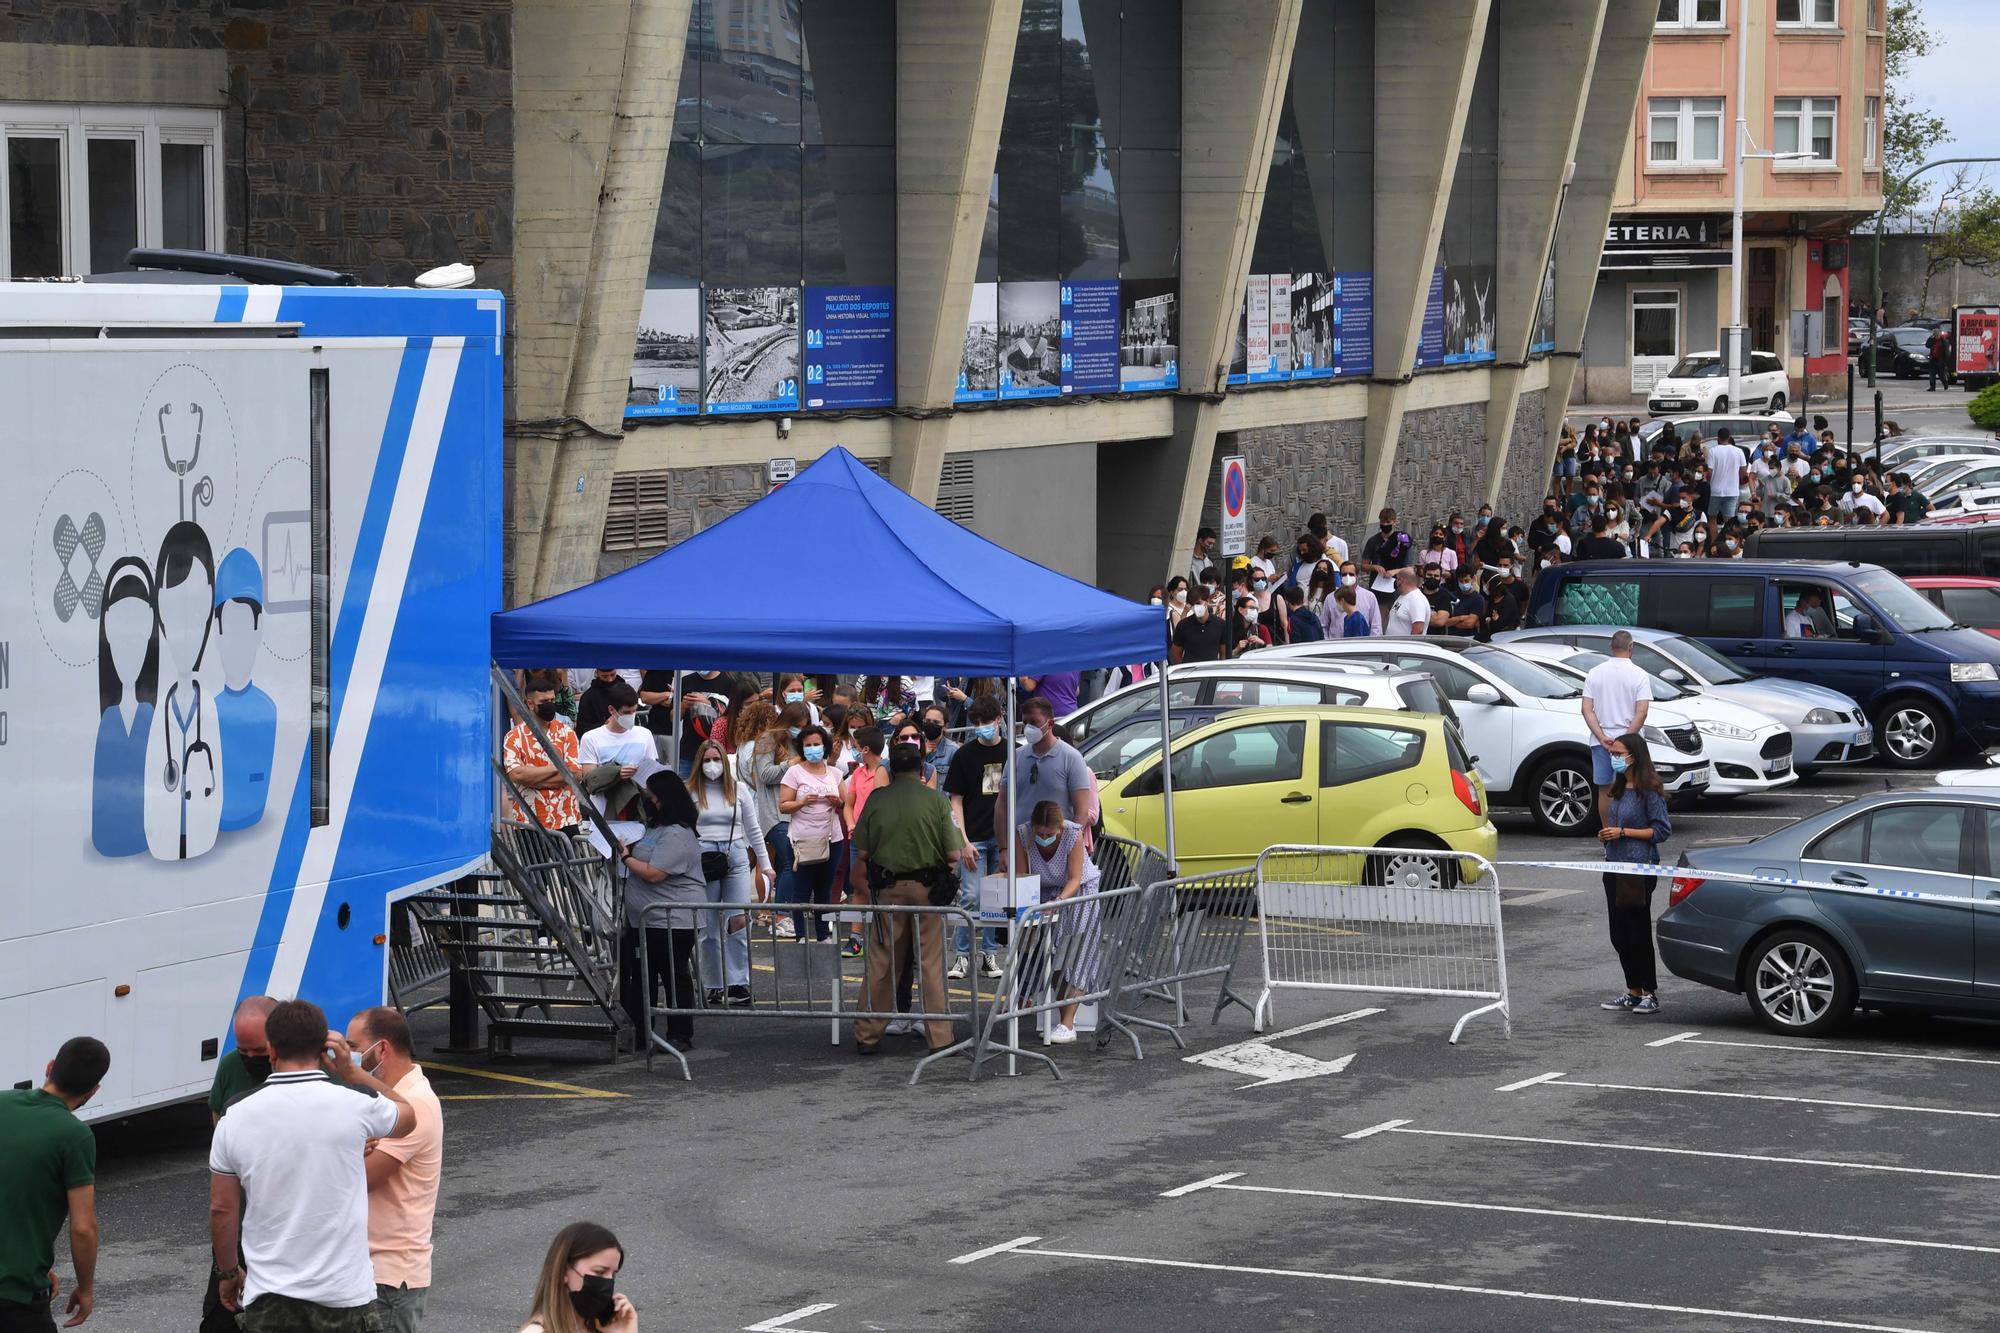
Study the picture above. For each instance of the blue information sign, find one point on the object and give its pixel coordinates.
(1089, 337)
(850, 354)
(1354, 324)
(1430, 343)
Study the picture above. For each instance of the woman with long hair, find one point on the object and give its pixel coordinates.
(809, 796)
(665, 877)
(576, 1290)
(740, 698)
(1635, 825)
(731, 837)
(775, 751)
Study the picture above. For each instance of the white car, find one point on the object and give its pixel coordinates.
(1523, 723)
(1972, 500)
(1119, 728)
(1747, 750)
(1699, 382)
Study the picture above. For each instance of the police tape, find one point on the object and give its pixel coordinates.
(1731, 876)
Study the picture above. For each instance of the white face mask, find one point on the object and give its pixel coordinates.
(1154, 600)
(1180, 595)
(1201, 610)
(712, 769)
(1032, 734)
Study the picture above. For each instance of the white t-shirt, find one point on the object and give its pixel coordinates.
(1410, 613)
(1725, 470)
(295, 1144)
(1614, 688)
(1851, 502)
(635, 746)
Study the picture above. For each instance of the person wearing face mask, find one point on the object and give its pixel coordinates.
(974, 782)
(1493, 545)
(1204, 555)
(403, 1174)
(529, 766)
(1859, 505)
(769, 759)
(1384, 555)
(795, 689)
(938, 747)
(731, 838)
(1590, 502)
(1055, 851)
(577, 1290)
(617, 760)
(1543, 531)
(810, 797)
(664, 876)
(1048, 768)
(1465, 609)
(1246, 632)
(593, 705)
(1177, 603)
(1436, 554)
(1200, 635)
(1457, 543)
(1506, 598)
(1634, 824)
(240, 1072)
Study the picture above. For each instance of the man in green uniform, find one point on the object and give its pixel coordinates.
(48, 1163)
(906, 843)
(241, 1071)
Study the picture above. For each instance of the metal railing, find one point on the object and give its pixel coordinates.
(1401, 922)
(1191, 929)
(1070, 951)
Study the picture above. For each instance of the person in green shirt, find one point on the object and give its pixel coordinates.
(48, 1166)
(246, 1067)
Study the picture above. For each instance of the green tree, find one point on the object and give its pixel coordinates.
(1965, 229)
(1910, 134)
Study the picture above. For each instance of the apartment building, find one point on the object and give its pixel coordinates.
(1814, 87)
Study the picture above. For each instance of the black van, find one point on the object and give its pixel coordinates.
(1918, 548)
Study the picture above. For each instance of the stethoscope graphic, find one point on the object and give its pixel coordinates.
(179, 774)
(204, 490)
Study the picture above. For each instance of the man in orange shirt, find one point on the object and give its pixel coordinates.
(529, 766)
(403, 1173)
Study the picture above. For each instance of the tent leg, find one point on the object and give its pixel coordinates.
(1167, 771)
(1013, 867)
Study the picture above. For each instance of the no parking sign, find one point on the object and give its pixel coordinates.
(1234, 529)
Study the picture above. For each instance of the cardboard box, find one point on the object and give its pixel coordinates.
(999, 901)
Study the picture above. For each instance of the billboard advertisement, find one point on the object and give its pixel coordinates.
(1354, 323)
(1030, 339)
(1149, 337)
(978, 375)
(850, 347)
(751, 349)
(1312, 326)
(666, 359)
(1430, 339)
(1979, 341)
(1468, 314)
(1090, 355)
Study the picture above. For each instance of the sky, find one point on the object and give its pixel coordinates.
(1956, 79)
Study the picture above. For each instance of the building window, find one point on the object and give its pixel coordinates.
(83, 186)
(1656, 323)
(1809, 13)
(1690, 13)
(1804, 125)
(1871, 130)
(1684, 131)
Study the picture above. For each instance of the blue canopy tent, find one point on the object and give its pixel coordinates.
(944, 600)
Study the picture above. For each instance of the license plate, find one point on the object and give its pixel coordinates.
(1864, 737)
(1777, 766)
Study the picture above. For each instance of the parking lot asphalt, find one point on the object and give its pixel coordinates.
(1728, 1179)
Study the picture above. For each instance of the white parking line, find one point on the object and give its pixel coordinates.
(1209, 1183)
(992, 1250)
(1399, 1127)
(783, 1323)
(1696, 1039)
(1557, 1081)
(1583, 1216)
(1457, 1288)
(1529, 1082)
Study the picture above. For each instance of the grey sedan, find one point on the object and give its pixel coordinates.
(1909, 920)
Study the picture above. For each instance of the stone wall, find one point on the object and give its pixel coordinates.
(697, 498)
(1525, 481)
(1440, 466)
(1293, 473)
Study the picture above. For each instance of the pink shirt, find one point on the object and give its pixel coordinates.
(815, 820)
(400, 1209)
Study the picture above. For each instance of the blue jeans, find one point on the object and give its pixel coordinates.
(968, 898)
(725, 953)
(812, 884)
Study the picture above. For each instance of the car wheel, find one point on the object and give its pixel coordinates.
(1398, 863)
(1777, 402)
(1560, 797)
(1799, 983)
(1910, 732)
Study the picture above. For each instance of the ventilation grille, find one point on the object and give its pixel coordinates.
(637, 514)
(954, 496)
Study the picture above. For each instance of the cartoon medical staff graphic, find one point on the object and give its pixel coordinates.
(184, 757)
(128, 669)
(249, 720)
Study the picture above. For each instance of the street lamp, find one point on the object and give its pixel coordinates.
(1889, 187)
(1734, 350)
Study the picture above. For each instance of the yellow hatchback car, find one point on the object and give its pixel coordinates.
(1327, 776)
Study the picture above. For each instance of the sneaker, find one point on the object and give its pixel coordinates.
(1626, 1001)
(739, 995)
(989, 966)
(1647, 1004)
(959, 967)
(783, 930)
(852, 948)
(899, 1027)
(1062, 1034)
(713, 998)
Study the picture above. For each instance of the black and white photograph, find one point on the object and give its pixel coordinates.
(752, 337)
(1030, 339)
(1312, 324)
(1468, 311)
(1149, 333)
(666, 357)
(977, 375)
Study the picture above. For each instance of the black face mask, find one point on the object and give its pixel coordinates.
(593, 1301)
(932, 730)
(258, 1065)
(546, 710)
(1388, 527)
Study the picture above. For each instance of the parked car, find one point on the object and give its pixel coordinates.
(1899, 453)
(1523, 723)
(1906, 923)
(1970, 505)
(1967, 599)
(1903, 352)
(1907, 548)
(1928, 684)
(1707, 424)
(1262, 777)
(1859, 331)
(1699, 382)
(1747, 750)
(1829, 730)
(1114, 731)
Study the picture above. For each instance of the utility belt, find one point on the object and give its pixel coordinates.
(941, 883)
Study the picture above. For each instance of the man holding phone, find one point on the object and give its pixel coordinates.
(294, 1147)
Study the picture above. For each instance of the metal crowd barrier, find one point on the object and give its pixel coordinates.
(802, 978)
(1190, 929)
(1415, 922)
(1121, 862)
(1070, 951)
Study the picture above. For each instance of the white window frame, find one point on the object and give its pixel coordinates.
(75, 126)
(1810, 110)
(1871, 130)
(1689, 16)
(1810, 14)
(1646, 370)
(1685, 110)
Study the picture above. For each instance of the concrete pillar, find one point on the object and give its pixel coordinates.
(1603, 140)
(1548, 52)
(595, 83)
(1236, 57)
(1426, 59)
(953, 59)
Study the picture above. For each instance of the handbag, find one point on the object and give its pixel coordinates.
(811, 851)
(715, 865)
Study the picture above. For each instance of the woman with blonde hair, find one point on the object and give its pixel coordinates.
(726, 823)
(576, 1291)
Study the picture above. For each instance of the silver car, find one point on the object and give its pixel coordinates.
(1905, 912)
(1828, 728)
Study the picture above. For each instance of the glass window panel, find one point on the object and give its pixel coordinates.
(1272, 252)
(1149, 204)
(677, 229)
(1089, 69)
(1917, 837)
(1149, 76)
(1089, 236)
(1665, 137)
(1312, 213)
(34, 207)
(848, 97)
(750, 90)
(1354, 78)
(184, 196)
(1707, 138)
(1030, 214)
(1034, 103)
(700, 50)
(1670, 11)
(1824, 10)
(113, 166)
(1788, 11)
(1822, 142)
(849, 215)
(1655, 331)
(1708, 11)
(750, 216)
(1353, 212)
(1785, 134)
(1309, 92)
(1482, 118)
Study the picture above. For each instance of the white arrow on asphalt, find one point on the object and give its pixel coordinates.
(1268, 1064)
